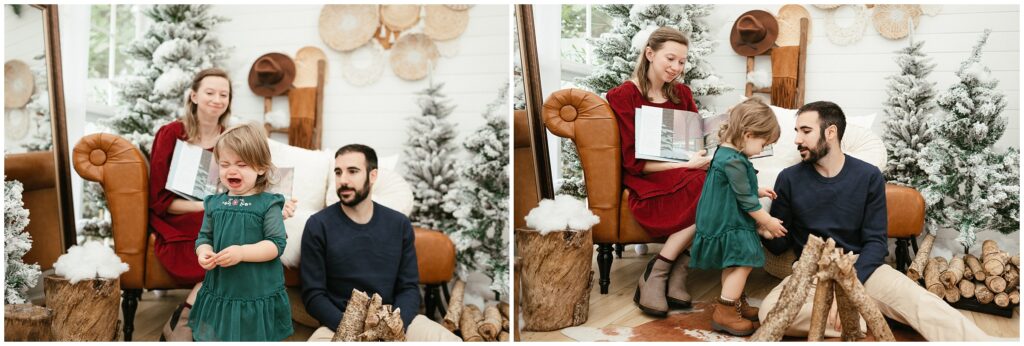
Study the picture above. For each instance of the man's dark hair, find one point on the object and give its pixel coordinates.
(369, 153)
(828, 114)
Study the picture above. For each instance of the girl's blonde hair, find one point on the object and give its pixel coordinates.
(656, 41)
(752, 116)
(250, 143)
(190, 118)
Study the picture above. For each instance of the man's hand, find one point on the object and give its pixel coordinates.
(767, 192)
(205, 254)
(289, 208)
(230, 256)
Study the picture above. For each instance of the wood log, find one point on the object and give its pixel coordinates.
(967, 272)
(388, 326)
(85, 311)
(1012, 276)
(996, 284)
(823, 297)
(966, 288)
(1002, 299)
(951, 277)
(352, 321)
(982, 294)
(1015, 259)
(503, 336)
(847, 281)
(454, 315)
(935, 266)
(849, 318)
(470, 322)
(556, 278)
(794, 292)
(916, 268)
(1015, 297)
(27, 322)
(503, 308)
(975, 265)
(989, 247)
(490, 327)
(952, 294)
(373, 315)
(994, 262)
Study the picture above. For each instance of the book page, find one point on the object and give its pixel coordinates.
(282, 182)
(668, 134)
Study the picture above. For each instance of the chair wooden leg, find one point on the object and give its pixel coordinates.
(604, 266)
(432, 298)
(913, 243)
(902, 254)
(619, 248)
(129, 304)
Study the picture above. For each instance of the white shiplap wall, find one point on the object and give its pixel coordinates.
(375, 115)
(854, 76)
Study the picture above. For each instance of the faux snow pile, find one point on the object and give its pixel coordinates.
(90, 261)
(564, 213)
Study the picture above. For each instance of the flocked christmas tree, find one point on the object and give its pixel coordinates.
(479, 200)
(430, 165)
(910, 103)
(19, 275)
(616, 53)
(975, 187)
(38, 108)
(177, 45)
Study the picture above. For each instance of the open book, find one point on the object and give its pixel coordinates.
(676, 135)
(193, 174)
(282, 182)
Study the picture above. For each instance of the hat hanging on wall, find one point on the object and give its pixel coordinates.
(413, 56)
(753, 33)
(346, 27)
(789, 25)
(459, 7)
(892, 21)
(364, 65)
(399, 17)
(272, 74)
(18, 84)
(828, 6)
(16, 123)
(306, 66)
(853, 33)
(443, 23)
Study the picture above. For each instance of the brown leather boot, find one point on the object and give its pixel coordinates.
(677, 296)
(727, 318)
(176, 328)
(650, 289)
(747, 311)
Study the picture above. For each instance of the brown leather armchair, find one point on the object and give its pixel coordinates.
(38, 175)
(124, 174)
(589, 122)
(905, 214)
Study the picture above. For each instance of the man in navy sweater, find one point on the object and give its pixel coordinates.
(359, 244)
(834, 195)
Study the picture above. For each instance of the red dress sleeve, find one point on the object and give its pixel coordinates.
(624, 101)
(159, 166)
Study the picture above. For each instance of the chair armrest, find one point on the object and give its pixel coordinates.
(435, 256)
(587, 119)
(120, 168)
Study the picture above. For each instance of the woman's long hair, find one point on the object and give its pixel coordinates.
(656, 41)
(191, 118)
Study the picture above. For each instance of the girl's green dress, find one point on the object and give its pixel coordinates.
(726, 233)
(247, 301)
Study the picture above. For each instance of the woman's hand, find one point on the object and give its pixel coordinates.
(767, 192)
(701, 161)
(205, 254)
(230, 256)
(289, 208)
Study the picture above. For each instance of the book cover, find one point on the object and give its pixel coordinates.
(193, 174)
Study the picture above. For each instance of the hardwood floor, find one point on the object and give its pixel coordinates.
(616, 309)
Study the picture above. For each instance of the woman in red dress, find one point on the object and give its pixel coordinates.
(176, 221)
(663, 195)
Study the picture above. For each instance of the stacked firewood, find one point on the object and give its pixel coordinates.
(368, 319)
(992, 278)
(468, 321)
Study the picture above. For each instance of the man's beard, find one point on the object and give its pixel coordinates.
(359, 195)
(813, 155)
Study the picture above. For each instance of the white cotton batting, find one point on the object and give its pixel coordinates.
(277, 119)
(89, 261)
(760, 78)
(564, 213)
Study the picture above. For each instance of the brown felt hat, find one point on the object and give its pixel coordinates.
(272, 74)
(753, 33)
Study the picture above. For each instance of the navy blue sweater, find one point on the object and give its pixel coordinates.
(377, 257)
(849, 208)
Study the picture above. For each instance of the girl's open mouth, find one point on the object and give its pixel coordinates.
(234, 182)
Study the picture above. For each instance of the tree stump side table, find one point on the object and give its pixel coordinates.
(556, 278)
(85, 311)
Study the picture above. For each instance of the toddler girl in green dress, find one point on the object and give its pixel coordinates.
(243, 296)
(729, 213)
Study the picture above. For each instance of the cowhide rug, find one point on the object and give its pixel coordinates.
(691, 325)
